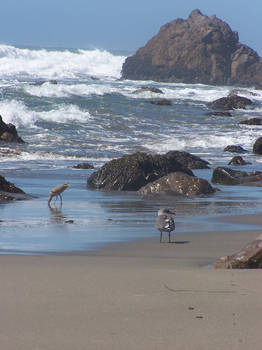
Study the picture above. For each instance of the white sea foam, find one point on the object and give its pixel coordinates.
(58, 64)
(64, 90)
(17, 113)
(206, 141)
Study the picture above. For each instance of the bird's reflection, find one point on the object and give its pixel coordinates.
(57, 215)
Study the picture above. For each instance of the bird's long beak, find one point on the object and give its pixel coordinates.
(172, 212)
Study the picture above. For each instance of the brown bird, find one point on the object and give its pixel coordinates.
(165, 222)
(56, 191)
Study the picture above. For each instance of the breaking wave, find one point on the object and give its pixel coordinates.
(57, 64)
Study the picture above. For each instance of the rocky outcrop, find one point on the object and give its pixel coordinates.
(230, 102)
(131, 172)
(234, 149)
(8, 132)
(188, 160)
(178, 183)
(227, 176)
(250, 257)
(238, 160)
(257, 147)
(200, 49)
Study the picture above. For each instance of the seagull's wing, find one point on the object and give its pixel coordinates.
(165, 223)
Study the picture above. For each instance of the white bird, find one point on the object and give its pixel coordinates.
(165, 222)
(56, 191)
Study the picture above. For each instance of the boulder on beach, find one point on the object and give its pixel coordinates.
(250, 257)
(235, 149)
(227, 176)
(230, 102)
(8, 132)
(131, 172)
(238, 160)
(178, 183)
(199, 49)
(188, 160)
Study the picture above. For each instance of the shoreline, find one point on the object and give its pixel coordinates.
(133, 295)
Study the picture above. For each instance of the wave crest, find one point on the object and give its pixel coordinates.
(58, 64)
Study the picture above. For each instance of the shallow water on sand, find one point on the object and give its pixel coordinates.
(89, 219)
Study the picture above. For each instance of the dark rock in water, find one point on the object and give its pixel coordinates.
(257, 147)
(9, 192)
(178, 183)
(7, 186)
(250, 257)
(83, 166)
(8, 132)
(227, 176)
(188, 160)
(200, 49)
(94, 78)
(161, 102)
(220, 114)
(149, 88)
(252, 121)
(230, 102)
(237, 160)
(41, 82)
(235, 149)
(131, 172)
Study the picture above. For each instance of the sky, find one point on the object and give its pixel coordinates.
(116, 24)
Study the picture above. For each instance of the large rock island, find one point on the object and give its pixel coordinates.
(200, 49)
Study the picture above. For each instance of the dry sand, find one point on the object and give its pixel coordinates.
(139, 295)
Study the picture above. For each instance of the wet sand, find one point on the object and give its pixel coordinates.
(136, 295)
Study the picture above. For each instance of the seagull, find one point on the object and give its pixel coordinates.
(165, 222)
(56, 191)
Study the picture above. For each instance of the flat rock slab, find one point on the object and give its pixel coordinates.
(250, 257)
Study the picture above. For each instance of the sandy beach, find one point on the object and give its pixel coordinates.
(136, 295)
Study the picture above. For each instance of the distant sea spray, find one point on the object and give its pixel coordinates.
(58, 64)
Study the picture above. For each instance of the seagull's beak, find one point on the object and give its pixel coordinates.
(172, 212)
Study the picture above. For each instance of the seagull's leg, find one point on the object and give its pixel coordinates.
(169, 236)
(161, 236)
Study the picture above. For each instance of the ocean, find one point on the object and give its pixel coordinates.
(70, 106)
